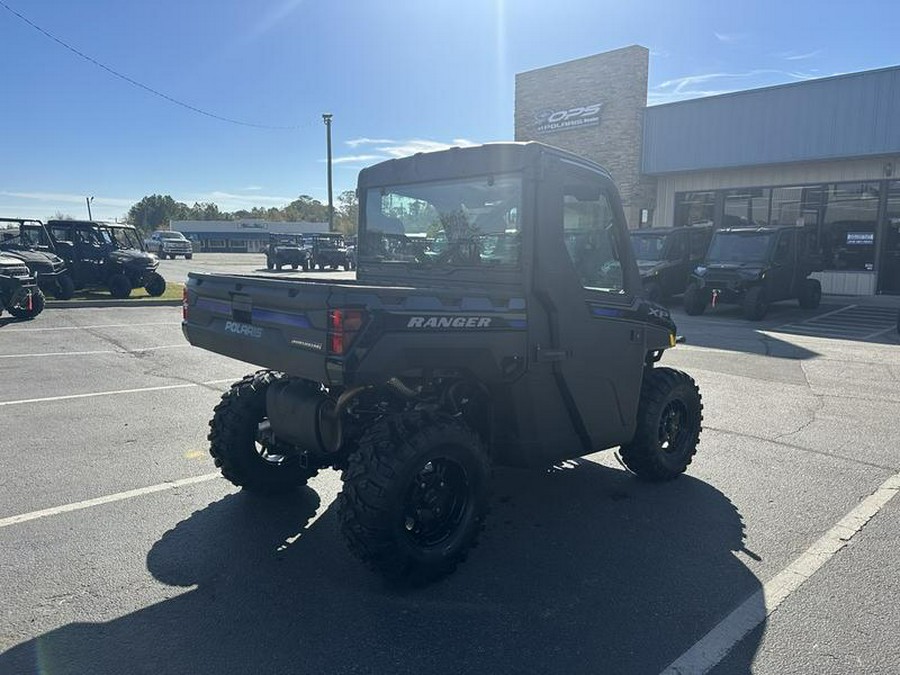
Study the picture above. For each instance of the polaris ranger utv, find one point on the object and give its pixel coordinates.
(330, 251)
(667, 255)
(19, 292)
(519, 338)
(755, 267)
(28, 240)
(288, 249)
(109, 255)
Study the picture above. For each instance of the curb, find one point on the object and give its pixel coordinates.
(62, 304)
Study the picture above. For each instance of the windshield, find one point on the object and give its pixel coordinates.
(732, 247)
(648, 246)
(123, 237)
(171, 235)
(460, 223)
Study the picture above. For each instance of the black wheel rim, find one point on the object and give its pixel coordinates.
(674, 430)
(436, 502)
(267, 448)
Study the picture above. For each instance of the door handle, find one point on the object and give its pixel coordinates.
(550, 355)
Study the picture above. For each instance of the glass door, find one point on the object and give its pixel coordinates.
(889, 264)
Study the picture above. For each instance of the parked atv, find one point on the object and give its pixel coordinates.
(107, 255)
(666, 257)
(29, 241)
(754, 267)
(288, 249)
(19, 292)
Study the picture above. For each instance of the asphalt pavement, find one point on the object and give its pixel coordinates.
(122, 551)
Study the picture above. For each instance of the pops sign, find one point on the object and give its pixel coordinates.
(568, 118)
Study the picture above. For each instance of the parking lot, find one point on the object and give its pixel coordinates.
(122, 551)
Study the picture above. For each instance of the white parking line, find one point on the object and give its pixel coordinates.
(716, 644)
(119, 496)
(105, 325)
(164, 387)
(99, 351)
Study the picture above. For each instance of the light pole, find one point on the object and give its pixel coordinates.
(326, 117)
(88, 201)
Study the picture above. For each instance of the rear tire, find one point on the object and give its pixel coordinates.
(19, 308)
(155, 285)
(669, 421)
(247, 458)
(65, 288)
(415, 497)
(119, 286)
(188, 256)
(695, 300)
(294, 266)
(810, 294)
(755, 304)
(269, 264)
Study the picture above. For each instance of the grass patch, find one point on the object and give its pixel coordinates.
(172, 292)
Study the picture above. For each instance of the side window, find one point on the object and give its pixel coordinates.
(677, 250)
(783, 249)
(61, 233)
(589, 230)
(699, 244)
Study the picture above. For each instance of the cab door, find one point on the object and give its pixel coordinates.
(583, 330)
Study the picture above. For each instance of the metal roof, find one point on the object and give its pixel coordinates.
(854, 115)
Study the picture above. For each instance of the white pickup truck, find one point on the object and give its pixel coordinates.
(168, 243)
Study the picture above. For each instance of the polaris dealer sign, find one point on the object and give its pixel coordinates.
(568, 118)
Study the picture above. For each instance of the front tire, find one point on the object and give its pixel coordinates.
(21, 308)
(669, 421)
(119, 286)
(247, 455)
(755, 304)
(415, 497)
(155, 285)
(810, 294)
(65, 287)
(188, 256)
(695, 300)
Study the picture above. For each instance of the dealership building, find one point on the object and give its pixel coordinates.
(249, 235)
(823, 154)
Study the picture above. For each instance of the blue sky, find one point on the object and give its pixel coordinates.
(398, 75)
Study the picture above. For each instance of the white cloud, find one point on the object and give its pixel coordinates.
(389, 149)
(368, 141)
(682, 88)
(729, 38)
(794, 56)
(252, 188)
(354, 159)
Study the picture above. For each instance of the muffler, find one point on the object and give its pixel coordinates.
(301, 414)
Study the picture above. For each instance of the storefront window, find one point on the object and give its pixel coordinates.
(694, 208)
(847, 234)
(889, 266)
(746, 207)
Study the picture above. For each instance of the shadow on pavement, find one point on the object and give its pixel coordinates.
(581, 569)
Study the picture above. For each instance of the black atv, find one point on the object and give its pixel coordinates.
(19, 292)
(754, 267)
(666, 257)
(288, 249)
(330, 252)
(107, 255)
(28, 241)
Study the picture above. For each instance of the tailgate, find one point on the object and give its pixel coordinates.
(274, 323)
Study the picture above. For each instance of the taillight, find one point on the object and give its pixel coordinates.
(184, 303)
(343, 325)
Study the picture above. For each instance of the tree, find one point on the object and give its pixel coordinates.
(347, 212)
(59, 215)
(155, 211)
